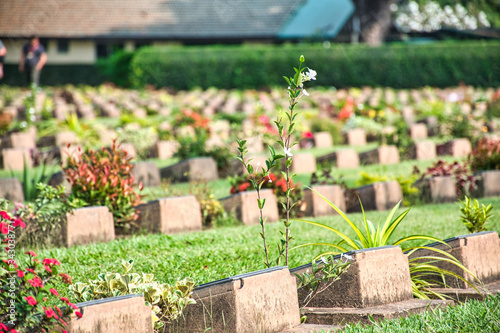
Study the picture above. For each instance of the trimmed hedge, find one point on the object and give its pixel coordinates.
(55, 75)
(440, 64)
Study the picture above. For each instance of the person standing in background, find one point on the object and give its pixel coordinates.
(33, 58)
(3, 52)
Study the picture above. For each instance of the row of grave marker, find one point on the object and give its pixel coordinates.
(183, 214)
(16, 148)
(377, 285)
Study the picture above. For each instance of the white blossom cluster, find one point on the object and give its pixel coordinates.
(431, 17)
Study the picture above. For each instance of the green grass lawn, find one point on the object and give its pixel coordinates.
(222, 252)
(473, 316)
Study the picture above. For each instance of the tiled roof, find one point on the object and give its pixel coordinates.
(169, 19)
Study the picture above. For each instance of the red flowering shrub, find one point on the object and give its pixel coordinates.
(486, 155)
(464, 179)
(25, 293)
(190, 118)
(104, 178)
(275, 183)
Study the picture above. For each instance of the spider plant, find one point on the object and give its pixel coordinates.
(422, 269)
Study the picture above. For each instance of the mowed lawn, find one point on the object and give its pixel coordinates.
(217, 253)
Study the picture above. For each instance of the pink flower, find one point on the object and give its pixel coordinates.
(53, 291)
(4, 215)
(65, 278)
(31, 300)
(49, 313)
(31, 253)
(4, 228)
(78, 314)
(20, 274)
(47, 268)
(50, 262)
(36, 282)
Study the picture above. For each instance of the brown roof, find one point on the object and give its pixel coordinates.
(169, 19)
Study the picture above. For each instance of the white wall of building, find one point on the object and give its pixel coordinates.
(80, 52)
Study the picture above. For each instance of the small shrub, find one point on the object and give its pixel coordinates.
(486, 155)
(28, 300)
(141, 138)
(493, 110)
(323, 275)
(459, 125)
(104, 178)
(32, 177)
(167, 302)
(327, 125)
(400, 137)
(44, 217)
(191, 118)
(6, 120)
(212, 211)
(474, 216)
(464, 179)
(410, 192)
(195, 146)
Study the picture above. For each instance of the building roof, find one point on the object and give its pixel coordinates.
(152, 19)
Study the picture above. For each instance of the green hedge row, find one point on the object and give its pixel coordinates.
(55, 75)
(440, 64)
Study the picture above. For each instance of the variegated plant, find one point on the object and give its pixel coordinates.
(166, 301)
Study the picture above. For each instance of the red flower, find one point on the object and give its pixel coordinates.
(31, 253)
(20, 274)
(47, 268)
(4, 228)
(233, 190)
(272, 177)
(49, 313)
(4, 215)
(36, 282)
(64, 299)
(65, 278)
(3, 327)
(30, 270)
(50, 262)
(19, 222)
(13, 331)
(243, 187)
(72, 306)
(307, 135)
(53, 291)
(78, 314)
(31, 300)
(281, 183)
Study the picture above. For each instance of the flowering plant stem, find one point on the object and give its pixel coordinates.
(295, 92)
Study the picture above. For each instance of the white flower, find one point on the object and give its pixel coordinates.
(305, 92)
(311, 74)
(288, 152)
(348, 257)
